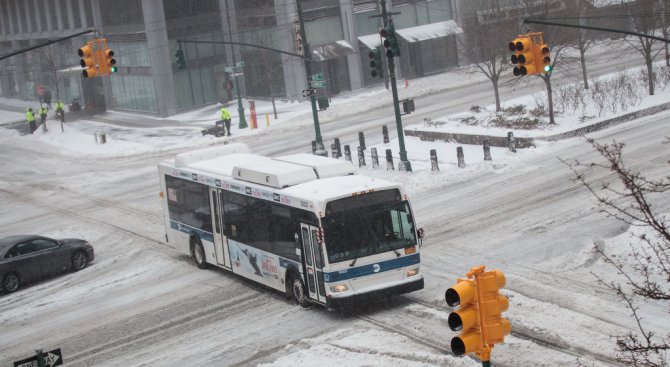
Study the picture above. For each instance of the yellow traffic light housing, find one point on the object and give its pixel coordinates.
(480, 314)
(465, 319)
(492, 305)
(531, 54)
(88, 61)
(523, 56)
(96, 58)
(545, 59)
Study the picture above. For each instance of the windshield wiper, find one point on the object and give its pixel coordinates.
(396, 252)
(353, 262)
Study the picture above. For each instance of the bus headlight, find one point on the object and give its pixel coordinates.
(339, 288)
(413, 272)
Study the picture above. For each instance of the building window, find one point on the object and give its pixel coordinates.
(134, 93)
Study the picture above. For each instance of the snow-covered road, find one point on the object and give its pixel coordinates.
(141, 303)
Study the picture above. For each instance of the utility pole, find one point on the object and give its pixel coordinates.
(308, 70)
(388, 24)
(240, 108)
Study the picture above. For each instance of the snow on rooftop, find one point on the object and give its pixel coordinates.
(604, 3)
(371, 41)
(430, 31)
(224, 165)
(336, 187)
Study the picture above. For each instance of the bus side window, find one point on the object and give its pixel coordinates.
(308, 248)
(217, 205)
(319, 253)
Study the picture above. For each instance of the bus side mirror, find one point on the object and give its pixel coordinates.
(420, 234)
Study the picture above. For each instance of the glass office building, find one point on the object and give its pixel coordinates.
(146, 34)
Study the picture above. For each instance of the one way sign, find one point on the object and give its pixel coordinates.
(51, 358)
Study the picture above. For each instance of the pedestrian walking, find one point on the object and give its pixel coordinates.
(225, 116)
(60, 111)
(30, 117)
(43, 117)
(47, 98)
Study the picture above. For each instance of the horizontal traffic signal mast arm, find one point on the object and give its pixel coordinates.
(47, 43)
(604, 29)
(245, 44)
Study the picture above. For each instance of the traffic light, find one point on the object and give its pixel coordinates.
(180, 60)
(390, 41)
(109, 61)
(465, 319)
(544, 57)
(88, 61)
(479, 317)
(491, 305)
(376, 63)
(523, 56)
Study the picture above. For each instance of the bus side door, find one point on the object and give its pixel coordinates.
(313, 262)
(220, 242)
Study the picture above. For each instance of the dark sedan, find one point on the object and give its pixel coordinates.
(25, 259)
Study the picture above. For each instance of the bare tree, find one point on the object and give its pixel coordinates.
(644, 18)
(584, 40)
(487, 25)
(647, 272)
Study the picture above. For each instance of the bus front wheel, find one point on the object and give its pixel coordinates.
(298, 291)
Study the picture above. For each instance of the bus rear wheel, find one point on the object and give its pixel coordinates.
(198, 254)
(298, 291)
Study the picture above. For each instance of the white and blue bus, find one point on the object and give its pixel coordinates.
(301, 224)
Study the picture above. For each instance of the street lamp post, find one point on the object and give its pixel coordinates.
(308, 70)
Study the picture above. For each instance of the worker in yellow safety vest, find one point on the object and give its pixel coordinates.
(30, 118)
(225, 117)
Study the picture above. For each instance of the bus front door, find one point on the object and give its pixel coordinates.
(220, 243)
(314, 261)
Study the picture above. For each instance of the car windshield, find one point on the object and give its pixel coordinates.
(354, 231)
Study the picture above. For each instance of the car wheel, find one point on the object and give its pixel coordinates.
(79, 261)
(298, 291)
(11, 283)
(198, 255)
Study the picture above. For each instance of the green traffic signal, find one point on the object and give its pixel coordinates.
(547, 68)
(114, 69)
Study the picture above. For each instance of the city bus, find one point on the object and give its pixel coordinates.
(302, 224)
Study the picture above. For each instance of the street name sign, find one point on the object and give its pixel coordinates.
(51, 359)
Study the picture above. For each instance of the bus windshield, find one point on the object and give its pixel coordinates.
(354, 231)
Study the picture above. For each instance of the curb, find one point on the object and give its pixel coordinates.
(525, 142)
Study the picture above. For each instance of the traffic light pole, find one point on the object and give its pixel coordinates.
(240, 108)
(308, 70)
(404, 165)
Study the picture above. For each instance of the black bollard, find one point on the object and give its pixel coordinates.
(385, 132)
(510, 142)
(338, 147)
(433, 160)
(361, 140)
(461, 157)
(389, 160)
(347, 153)
(361, 157)
(313, 146)
(487, 150)
(375, 157)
